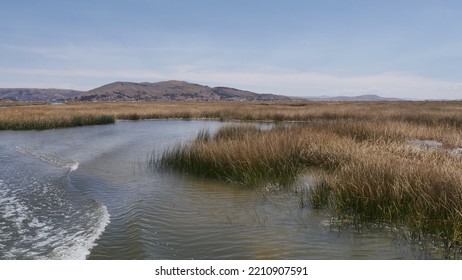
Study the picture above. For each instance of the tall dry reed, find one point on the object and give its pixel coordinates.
(371, 173)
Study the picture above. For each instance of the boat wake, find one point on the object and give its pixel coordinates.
(46, 225)
(49, 158)
(39, 216)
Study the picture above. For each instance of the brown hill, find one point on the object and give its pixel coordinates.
(37, 94)
(171, 91)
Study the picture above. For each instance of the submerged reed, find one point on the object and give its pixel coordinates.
(231, 155)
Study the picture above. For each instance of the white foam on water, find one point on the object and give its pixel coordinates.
(35, 231)
(11, 208)
(81, 243)
(50, 158)
(35, 223)
(13, 214)
(74, 166)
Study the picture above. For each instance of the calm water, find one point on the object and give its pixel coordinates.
(88, 193)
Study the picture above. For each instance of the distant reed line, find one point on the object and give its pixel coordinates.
(44, 116)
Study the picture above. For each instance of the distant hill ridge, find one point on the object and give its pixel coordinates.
(171, 91)
(36, 94)
(160, 91)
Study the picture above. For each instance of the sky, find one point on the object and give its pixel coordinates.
(393, 48)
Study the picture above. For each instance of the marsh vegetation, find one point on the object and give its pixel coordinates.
(44, 116)
(365, 166)
(367, 169)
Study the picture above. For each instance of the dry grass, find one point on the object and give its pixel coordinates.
(422, 114)
(364, 181)
(370, 172)
(44, 116)
(416, 114)
(421, 190)
(247, 155)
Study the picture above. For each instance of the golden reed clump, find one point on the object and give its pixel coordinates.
(367, 180)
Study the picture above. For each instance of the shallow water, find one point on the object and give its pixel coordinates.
(88, 192)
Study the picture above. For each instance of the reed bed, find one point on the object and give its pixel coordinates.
(415, 114)
(367, 169)
(247, 155)
(370, 173)
(44, 116)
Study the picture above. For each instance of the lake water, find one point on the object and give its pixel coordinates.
(88, 192)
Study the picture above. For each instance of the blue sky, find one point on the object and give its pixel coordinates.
(405, 48)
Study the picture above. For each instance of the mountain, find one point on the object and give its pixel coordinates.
(370, 97)
(171, 91)
(37, 95)
(161, 91)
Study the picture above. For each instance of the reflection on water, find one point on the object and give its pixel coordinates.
(89, 190)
